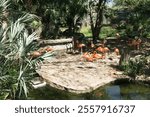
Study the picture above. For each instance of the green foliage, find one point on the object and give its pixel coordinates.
(134, 67)
(73, 13)
(107, 32)
(131, 19)
(96, 10)
(132, 16)
(16, 67)
(14, 71)
(86, 31)
(56, 14)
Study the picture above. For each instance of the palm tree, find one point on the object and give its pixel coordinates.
(75, 11)
(16, 68)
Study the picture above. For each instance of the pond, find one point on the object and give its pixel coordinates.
(118, 90)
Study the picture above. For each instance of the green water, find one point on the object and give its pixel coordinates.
(119, 90)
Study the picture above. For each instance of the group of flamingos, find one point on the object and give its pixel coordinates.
(100, 51)
(93, 51)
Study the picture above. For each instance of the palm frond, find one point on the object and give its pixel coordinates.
(15, 43)
(27, 18)
(4, 4)
(15, 31)
(25, 42)
(31, 38)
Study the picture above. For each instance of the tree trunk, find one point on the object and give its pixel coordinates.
(70, 25)
(95, 36)
(124, 56)
(96, 24)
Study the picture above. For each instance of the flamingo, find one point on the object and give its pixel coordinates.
(116, 50)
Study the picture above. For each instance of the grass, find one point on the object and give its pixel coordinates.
(105, 32)
(86, 31)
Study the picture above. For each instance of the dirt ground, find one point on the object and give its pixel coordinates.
(69, 72)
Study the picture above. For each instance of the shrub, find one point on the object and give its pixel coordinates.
(135, 66)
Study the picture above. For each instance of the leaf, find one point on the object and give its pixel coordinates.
(14, 89)
(4, 4)
(47, 55)
(4, 96)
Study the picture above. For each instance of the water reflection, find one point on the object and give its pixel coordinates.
(115, 91)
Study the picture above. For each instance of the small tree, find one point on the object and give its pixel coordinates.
(133, 17)
(96, 13)
(74, 11)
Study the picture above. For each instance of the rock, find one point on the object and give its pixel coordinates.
(38, 83)
(76, 76)
(35, 86)
(140, 77)
(148, 60)
(148, 78)
(118, 73)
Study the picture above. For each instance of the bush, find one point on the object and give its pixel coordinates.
(135, 66)
(16, 68)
